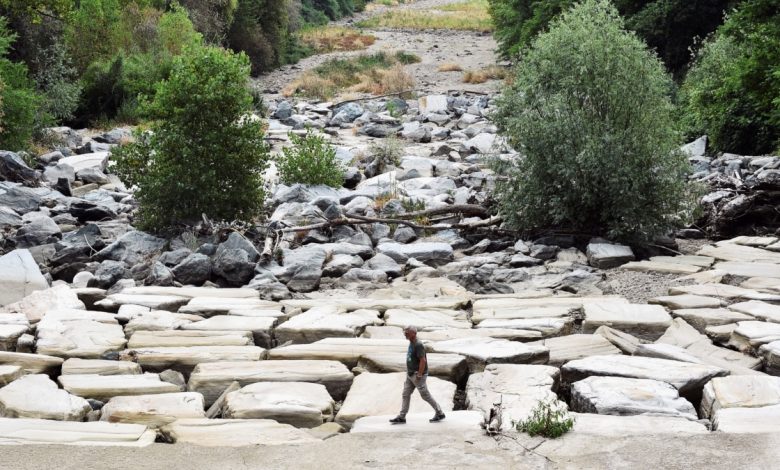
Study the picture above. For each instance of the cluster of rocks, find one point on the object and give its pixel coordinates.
(744, 191)
(222, 366)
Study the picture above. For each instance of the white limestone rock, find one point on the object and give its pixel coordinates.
(300, 404)
(260, 327)
(637, 425)
(210, 306)
(688, 378)
(44, 431)
(510, 334)
(86, 339)
(660, 267)
(9, 373)
(625, 396)
(548, 327)
(765, 419)
(517, 387)
(757, 309)
(749, 336)
(701, 318)
(105, 387)
(184, 360)
(452, 367)
(346, 350)
(33, 363)
(643, 321)
(480, 352)
(755, 269)
(154, 410)
(606, 255)
(380, 394)
(234, 432)
(425, 320)
(186, 338)
(325, 322)
(740, 391)
(100, 367)
(678, 302)
(38, 303)
(37, 396)
(567, 348)
(770, 353)
(211, 378)
(19, 276)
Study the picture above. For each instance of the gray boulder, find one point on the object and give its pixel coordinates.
(386, 264)
(303, 268)
(404, 234)
(39, 231)
(237, 242)
(283, 111)
(340, 264)
(195, 269)
(133, 248)
(19, 198)
(9, 218)
(233, 266)
(364, 275)
(606, 255)
(93, 175)
(172, 258)
(269, 287)
(13, 168)
(431, 253)
(160, 275)
(53, 173)
(346, 114)
(107, 274)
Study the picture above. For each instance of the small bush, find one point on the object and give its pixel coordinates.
(310, 160)
(548, 419)
(450, 67)
(204, 155)
(387, 152)
(493, 72)
(590, 112)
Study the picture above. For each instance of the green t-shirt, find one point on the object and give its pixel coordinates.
(415, 352)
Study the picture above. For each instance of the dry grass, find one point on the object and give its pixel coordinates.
(450, 67)
(491, 72)
(335, 38)
(471, 15)
(378, 73)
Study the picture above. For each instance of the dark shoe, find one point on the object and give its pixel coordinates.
(437, 417)
(398, 420)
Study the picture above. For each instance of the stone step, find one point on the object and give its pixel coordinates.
(153, 410)
(97, 433)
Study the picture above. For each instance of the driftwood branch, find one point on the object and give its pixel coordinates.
(373, 97)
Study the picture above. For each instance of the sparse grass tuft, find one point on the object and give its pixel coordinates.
(450, 67)
(335, 38)
(469, 15)
(491, 72)
(369, 73)
(549, 419)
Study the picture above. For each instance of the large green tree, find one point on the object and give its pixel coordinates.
(590, 114)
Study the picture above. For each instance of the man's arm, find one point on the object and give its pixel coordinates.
(421, 369)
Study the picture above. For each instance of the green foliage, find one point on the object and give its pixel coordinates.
(590, 114)
(310, 160)
(670, 27)
(204, 154)
(386, 152)
(548, 419)
(92, 31)
(56, 80)
(732, 92)
(261, 30)
(19, 102)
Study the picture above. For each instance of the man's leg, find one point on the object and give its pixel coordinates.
(426, 395)
(406, 396)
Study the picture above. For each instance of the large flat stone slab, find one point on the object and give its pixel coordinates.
(757, 309)
(212, 378)
(751, 335)
(769, 285)
(234, 432)
(37, 396)
(567, 348)
(158, 320)
(660, 267)
(192, 292)
(690, 260)
(518, 388)
(625, 396)
(483, 311)
(643, 321)
(627, 343)
(153, 410)
(450, 367)
(9, 373)
(456, 422)
(170, 303)
(100, 367)
(687, 301)
(425, 320)
(348, 304)
(548, 327)
(186, 338)
(33, 363)
(105, 387)
(740, 391)
(325, 322)
(210, 306)
(724, 291)
(380, 394)
(688, 378)
(765, 419)
(185, 359)
(739, 253)
(86, 339)
(510, 334)
(637, 425)
(260, 327)
(756, 269)
(97, 433)
(480, 352)
(35, 305)
(701, 318)
(346, 350)
(300, 404)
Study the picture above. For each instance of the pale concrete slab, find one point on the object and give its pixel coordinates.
(736, 268)
(751, 391)
(186, 338)
(511, 334)
(643, 321)
(567, 348)
(380, 394)
(687, 301)
(426, 320)
(97, 433)
(211, 378)
(378, 304)
(37, 396)
(85, 339)
(153, 410)
(325, 322)
(170, 303)
(105, 387)
(234, 432)
(33, 363)
(751, 335)
(660, 267)
(701, 318)
(482, 311)
(548, 327)
(299, 404)
(346, 350)
(637, 425)
(185, 359)
(210, 306)
(690, 260)
(100, 367)
(480, 352)
(757, 309)
(739, 253)
(765, 419)
(625, 396)
(455, 422)
(260, 327)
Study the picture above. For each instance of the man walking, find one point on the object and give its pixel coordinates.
(416, 375)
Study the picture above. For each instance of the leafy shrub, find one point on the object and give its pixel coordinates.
(261, 30)
(19, 102)
(310, 160)
(204, 154)
(548, 419)
(732, 92)
(589, 113)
